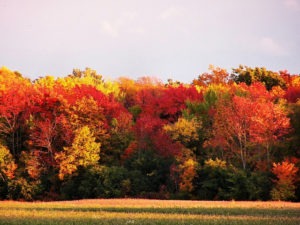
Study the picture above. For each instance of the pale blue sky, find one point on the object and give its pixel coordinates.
(164, 38)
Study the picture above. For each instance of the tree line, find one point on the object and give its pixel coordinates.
(225, 136)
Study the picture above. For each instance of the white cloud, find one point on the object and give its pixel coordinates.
(171, 12)
(109, 28)
(292, 4)
(123, 23)
(270, 46)
(130, 15)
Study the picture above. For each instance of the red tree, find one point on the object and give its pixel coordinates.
(241, 123)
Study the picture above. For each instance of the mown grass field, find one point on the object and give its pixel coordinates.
(140, 211)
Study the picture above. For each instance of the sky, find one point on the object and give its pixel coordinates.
(175, 39)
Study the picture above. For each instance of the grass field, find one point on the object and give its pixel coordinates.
(140, 211)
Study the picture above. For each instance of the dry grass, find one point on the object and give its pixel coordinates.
(136, 203)
(141, 211)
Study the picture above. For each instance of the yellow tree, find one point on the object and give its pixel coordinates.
(7, 164)
(9, 78)
(47, 82)
(83, 152)
(92, 78)
(184, 131)
(129, 88)
(86, 112)
(187, 170)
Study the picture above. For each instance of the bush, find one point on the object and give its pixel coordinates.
(219, 181)
(286, 173)
(85, 183)
(3, 190)
(23, 189)
(148, 171)
(248, 186)
(212, 180)
(99, 182)
(259, 186)
(283, 191)
(115, 182)
(238, 182)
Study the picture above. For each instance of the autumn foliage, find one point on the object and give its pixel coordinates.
(225, 136)
(285, 173)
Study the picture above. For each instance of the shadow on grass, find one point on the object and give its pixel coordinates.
(186, 211)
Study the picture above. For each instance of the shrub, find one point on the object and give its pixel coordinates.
(284, 188)
(24, 189)
(212, 181)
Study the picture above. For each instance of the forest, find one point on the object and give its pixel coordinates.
(224, 136)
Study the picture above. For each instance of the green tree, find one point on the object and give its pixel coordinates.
(248, 75)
